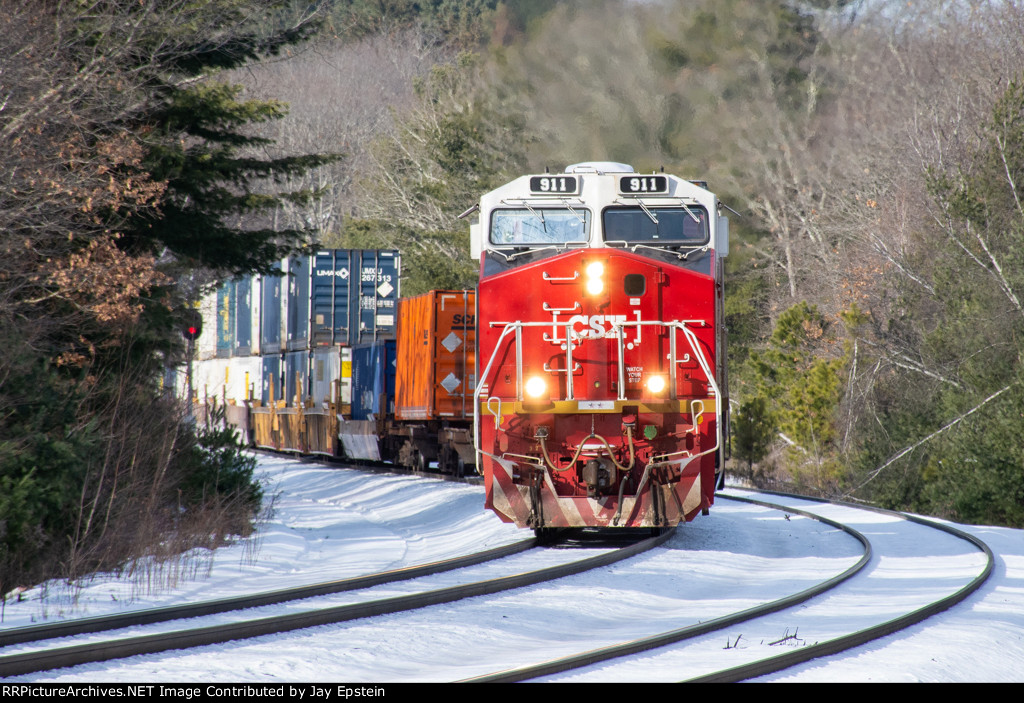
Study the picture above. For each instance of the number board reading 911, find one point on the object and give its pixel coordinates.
(643, 184)
(553, 184)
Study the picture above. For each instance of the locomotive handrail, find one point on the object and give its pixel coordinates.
(575, 306)
(517, 327)
(480, 386)
(618, 329)
(691, 338)
(546, 277)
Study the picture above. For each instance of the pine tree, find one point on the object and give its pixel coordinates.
(124, 162)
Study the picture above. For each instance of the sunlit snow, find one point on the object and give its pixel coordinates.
(330, 523)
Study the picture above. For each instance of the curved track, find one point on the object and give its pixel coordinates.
(690, 631)
(873, 632)
(796, 649)
(768, 637)
(59, 657)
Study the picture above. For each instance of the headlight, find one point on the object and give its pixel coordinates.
(536, 387)
(595, 282)
(656, 384)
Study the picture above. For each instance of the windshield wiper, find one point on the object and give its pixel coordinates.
(539, 215)
(649, 213)
(579, 217)
(689, 212)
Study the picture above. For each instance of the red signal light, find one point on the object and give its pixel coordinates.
(193, 326)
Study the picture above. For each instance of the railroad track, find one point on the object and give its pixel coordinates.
(791, 656)
(877, 630)
(687, 647)
(686, 632)
(63, 656)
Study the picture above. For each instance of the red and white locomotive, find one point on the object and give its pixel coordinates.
(600, 398)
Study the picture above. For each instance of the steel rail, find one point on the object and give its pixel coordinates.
(54, 658)
(34, 633)
(576, 661)
(802, 655)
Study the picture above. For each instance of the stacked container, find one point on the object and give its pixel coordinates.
(436, 353)
(285, 338)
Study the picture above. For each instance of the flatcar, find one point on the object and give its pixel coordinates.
(601, 379)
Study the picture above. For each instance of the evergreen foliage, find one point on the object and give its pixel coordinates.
(220, 468)
(753, 431)
(126, 166)
(214, 181)
(963, 426)
(794, 386)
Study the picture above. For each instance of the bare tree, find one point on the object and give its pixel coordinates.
(341, 96)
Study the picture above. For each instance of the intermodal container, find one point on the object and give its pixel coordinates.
(298, 303)
(325, 368)
(243, 317)
(373, 380)
(296, 380)
(377, 291)
(270, 312)
(435, 356)
(331, 297)
(206, 344)
(338, 297)
(270, 386)
(225, 319)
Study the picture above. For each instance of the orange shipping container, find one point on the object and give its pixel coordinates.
(436, 340)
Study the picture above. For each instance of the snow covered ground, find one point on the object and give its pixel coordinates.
(331, 524)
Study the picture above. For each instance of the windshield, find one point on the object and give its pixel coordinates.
(656, 225)
(540, 226)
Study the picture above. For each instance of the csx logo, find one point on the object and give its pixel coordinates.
(593, 326)
(582, 327)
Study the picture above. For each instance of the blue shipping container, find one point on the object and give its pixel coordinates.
(243, 317)
(353, 296)
(373, 379)
(379, 273)
(296, 370)
(270, 314)
(298, 303)
(271, 374)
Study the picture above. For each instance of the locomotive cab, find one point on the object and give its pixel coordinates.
(600, 398)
